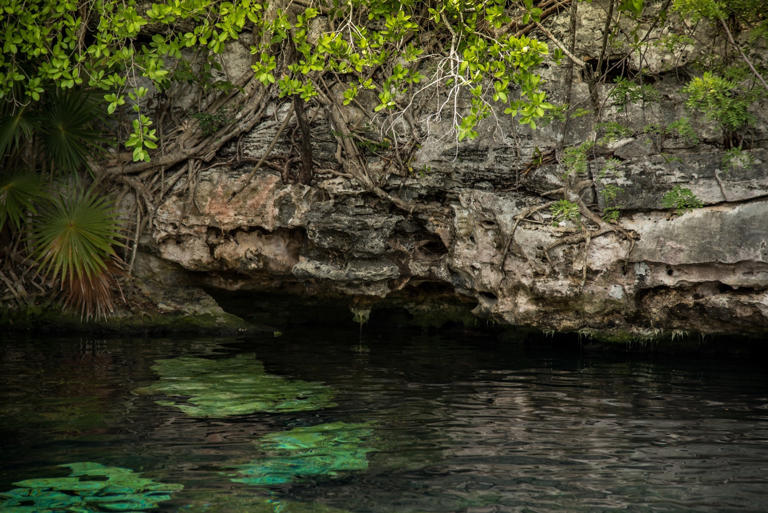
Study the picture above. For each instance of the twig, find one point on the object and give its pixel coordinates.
(569, 78)
(140, 190)
(606, 31)
(743, 55)
(565, 50)
(11, 288)
(136, 235)
(587, 240)
(518, 219)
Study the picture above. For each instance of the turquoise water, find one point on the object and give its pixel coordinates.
(322, 421)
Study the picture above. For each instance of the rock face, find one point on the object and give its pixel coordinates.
(703, 270)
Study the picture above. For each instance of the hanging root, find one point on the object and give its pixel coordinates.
(586, 235)
(523, 216)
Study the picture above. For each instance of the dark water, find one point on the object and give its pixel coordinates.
(448, 423)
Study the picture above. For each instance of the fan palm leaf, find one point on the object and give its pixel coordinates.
(75, 234)
(67, 128)
(73, 240)
(92, 296)
(17, 128)
(18, 194)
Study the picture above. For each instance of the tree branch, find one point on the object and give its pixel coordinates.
(560, 45)
(743, 55)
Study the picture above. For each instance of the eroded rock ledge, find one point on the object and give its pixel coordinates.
(705, 270)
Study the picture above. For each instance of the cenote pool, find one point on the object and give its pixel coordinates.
(320, 420)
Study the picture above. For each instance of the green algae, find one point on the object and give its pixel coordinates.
(322, 450)
(90, 488)
(232, 386)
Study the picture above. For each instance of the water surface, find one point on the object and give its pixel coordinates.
(395, 422)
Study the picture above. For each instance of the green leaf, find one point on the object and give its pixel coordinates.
(68, 130)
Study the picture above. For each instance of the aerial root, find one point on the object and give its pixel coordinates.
(523, 216)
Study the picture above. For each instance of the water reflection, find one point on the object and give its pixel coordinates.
(322, 450)
(90, 487)
(232, 386)
(418, 424)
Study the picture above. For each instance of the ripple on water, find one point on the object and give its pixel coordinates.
(434, 425)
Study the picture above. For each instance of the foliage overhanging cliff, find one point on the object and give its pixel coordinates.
(592, 166)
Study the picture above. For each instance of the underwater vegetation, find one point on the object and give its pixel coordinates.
(232, 386)
(322, 450)
(90, 487)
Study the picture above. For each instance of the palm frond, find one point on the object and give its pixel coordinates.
(18, 194)
(67, 125)
(17, 127)
(73, 240)
(92, 296)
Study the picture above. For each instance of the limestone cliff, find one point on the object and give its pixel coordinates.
(702, 270)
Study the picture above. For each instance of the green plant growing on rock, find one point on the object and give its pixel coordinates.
(682, 199)
(627, 92)
(575, 159)
(733, 82)
(720, 100)
(610, 192)
(683, 129)
(210, 123)
(612, 131)
(736, 158)
(565, 210)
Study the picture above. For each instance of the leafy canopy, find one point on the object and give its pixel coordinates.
(374, 45)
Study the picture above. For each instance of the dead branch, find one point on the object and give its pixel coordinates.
(720, 184)
(305, 175)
